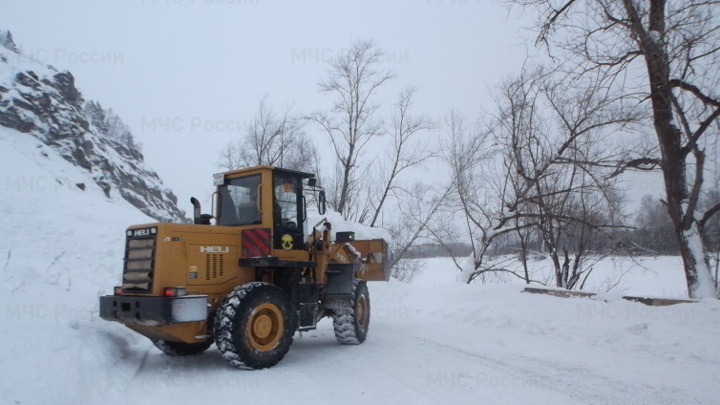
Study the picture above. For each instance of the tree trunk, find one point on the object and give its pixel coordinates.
(674, 165)
(345, 191)
(697, 271)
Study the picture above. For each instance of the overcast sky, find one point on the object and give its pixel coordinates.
(186, 75)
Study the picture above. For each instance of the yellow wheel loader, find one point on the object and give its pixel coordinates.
(252, 279)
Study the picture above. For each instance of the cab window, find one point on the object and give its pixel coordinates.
(286, 201)
(239, 201)
(288, 212)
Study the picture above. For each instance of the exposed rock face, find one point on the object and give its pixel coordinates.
(44, 103)
(6, 41)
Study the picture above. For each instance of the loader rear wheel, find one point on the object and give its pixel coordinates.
(182, 349)
(254, 326)
(351, 324)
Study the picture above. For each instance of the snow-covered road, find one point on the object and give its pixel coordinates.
(424, 353)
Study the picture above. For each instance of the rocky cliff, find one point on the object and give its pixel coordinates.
(43, 102)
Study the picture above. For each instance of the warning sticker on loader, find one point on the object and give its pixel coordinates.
(287, 242)
(256, 242)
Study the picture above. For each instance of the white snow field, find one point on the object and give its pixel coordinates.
(434, 341)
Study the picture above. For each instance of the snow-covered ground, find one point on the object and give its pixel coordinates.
(661, 277)
(432, 341)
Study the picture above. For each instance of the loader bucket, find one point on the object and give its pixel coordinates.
(376, 257)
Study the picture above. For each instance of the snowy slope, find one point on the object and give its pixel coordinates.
(61, 247)
(432, 341)
(40, 101)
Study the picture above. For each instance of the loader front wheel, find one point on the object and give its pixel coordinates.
(182, 349)
(351, 324)
(254, 326)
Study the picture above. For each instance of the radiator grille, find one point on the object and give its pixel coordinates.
(139, 264)
(214, 266)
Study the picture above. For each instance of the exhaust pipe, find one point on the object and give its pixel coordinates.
(196, 210)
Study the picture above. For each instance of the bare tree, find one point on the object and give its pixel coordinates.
(271, 139)
(547, 177)
(407, 151)
(560, 188)
(674, 44)
(418, 209)
(354, 80)
(469, 155)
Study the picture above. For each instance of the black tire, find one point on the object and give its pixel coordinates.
(254, 326)
(351, 324)
(182, 349)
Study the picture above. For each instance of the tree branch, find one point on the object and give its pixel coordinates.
(476, 273)
(644, 164)
(552, 19)
(677, 83)
(708, 214)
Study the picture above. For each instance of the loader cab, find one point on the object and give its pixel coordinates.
(268, 197)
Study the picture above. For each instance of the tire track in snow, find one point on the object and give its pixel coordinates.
(576, 382)
(365, 363)
(141, 366)
(7, 260)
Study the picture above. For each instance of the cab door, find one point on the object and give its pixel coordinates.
(288, 212)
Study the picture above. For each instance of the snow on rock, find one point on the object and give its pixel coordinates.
(41, 102)
(6, 41)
